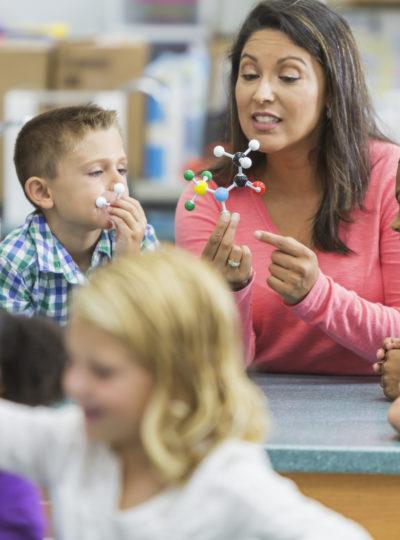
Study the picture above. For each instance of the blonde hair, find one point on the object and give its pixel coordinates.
(179, 318)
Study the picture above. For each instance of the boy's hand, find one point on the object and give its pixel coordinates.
(130, 222)
(388, 367)
(294, 267)
(233, 261)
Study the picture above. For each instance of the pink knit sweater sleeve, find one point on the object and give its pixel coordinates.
(352, 321)
(192, 231)
(347, 318)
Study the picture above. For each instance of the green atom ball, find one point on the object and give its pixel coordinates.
(207, 174)
(189, 205)
(188, 175)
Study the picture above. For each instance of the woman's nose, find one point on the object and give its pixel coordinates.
(264, 92)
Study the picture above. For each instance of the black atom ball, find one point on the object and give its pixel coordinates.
(237, 157)
(240, 180)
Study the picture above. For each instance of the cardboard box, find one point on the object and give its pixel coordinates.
(106, 65)
(23, 64)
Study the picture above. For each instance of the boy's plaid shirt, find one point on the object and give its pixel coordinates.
(37, 273)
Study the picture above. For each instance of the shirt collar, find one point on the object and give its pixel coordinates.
(104, 248)
(52, 255)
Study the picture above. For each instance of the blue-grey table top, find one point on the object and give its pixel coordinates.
(329, 424)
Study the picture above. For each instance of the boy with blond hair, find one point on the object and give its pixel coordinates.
(66, 159)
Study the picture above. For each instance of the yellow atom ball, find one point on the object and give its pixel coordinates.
(201, 188)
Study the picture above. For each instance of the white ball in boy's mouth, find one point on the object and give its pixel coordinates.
(101, 202)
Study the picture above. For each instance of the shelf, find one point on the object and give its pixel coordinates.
(165, 33)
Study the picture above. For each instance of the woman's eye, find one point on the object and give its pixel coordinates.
(249, 76)
(96, 173)
(288, 79)
(122, 171)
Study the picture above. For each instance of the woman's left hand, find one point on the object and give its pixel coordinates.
(294, 267)
(130, 222)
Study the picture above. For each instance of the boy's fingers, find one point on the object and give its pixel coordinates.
(130, 205)
(119, 224)
(126, 217)
(131, 217)
(125, 231)
(135, 203)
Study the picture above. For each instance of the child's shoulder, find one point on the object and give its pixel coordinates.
(227, 486)
(232, 463)
(18, 248)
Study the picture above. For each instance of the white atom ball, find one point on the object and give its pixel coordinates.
(101, 202)
(245, 162)
(219, 151)
(254, 144)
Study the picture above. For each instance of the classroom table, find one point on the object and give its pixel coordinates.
(331, 436)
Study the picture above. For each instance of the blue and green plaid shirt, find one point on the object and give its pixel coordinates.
(37, 273)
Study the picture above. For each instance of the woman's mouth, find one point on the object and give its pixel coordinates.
(265, 121)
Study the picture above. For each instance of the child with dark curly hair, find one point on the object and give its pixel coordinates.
(32, 358)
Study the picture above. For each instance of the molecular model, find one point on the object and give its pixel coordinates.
(240, 180)
(119, 189)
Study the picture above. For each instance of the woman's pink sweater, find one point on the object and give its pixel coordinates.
(355, 302)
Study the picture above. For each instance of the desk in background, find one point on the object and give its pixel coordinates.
(331, 436)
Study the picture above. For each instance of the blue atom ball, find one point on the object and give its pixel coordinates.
(221, 194)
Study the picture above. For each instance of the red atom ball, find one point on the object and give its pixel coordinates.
(261, 186)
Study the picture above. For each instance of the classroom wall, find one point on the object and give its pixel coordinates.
(83, 16)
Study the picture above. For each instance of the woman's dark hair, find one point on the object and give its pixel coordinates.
(342, 157)
(32, 359)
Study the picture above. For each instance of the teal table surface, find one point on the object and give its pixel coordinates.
(329, 424)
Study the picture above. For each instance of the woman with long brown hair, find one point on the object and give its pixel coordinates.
(313, 263)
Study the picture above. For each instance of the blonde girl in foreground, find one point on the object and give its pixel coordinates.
(165, 439)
